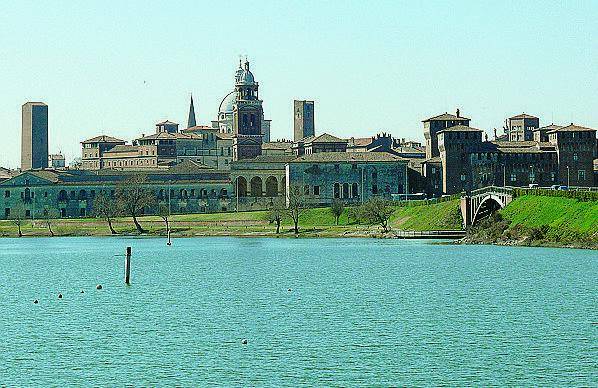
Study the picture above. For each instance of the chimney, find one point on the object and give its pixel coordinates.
(458, 113)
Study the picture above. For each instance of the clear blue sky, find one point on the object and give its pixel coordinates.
(119, 67)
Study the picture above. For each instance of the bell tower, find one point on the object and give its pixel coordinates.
(247, 116)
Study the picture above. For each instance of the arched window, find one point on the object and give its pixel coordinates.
(271, 186)
(82, 194)
(62, 196)
(354, 190)
(337, 189)
(241, 186)
(223, 192)
(256, 186)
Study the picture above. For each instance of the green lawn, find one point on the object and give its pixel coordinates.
(441, 216)
(556, 212)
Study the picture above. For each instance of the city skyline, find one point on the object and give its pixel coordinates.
(130, 76)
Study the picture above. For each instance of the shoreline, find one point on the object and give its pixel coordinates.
(315, 234)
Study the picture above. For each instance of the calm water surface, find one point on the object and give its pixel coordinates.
(359, 312)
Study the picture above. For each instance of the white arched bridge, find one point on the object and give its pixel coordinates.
(481, 203)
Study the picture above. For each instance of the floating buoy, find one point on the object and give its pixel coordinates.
(82, 291)
(289, 290)
(35, 301)
(59, 296)
(99, 287)
(244, 341)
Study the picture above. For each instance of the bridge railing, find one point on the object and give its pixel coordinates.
(492, 189)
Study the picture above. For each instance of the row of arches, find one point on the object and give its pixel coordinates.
(344, 190)
(255, 187)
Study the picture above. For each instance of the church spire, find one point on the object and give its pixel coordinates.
(191, 122)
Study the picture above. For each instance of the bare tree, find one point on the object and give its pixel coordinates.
(18, 216)
(276, 213)
(336, 208)
(296, 205)
(132, 197)
(377, 211)
(164, 213)
(50, 215)
(106, 207)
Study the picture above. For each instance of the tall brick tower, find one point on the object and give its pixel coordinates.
(34, 136)
(303, 119)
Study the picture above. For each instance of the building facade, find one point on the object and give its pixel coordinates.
(435, 124)
(71, 193)
(351, 177)
(521, 127)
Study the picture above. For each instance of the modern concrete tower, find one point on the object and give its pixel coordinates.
(304, 119)
(34, 136)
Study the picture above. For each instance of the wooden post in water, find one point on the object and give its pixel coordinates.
(128, 266)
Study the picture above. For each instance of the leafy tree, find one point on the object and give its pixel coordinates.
(296, 205)
(104, 206)
(132, 197)
(50, 215)
(276, 213)
(18, 216)
(377, 211)
(336, 208)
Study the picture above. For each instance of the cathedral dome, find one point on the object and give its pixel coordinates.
(226, 106)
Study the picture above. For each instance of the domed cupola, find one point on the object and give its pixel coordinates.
(245, 77)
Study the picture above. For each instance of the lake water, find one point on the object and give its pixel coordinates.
(359, 312)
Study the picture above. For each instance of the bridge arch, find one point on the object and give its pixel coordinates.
(486, 207)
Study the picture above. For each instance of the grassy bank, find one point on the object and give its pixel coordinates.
(541, 221)
(317, 222)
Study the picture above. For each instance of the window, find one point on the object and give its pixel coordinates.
(337, 190)
(354, 190)
(581, 175)
(513, 177)
(63, 212)
(45, 194)
(463, 177)
(27, 213)
(346, 190)
(575, 158)
(374, 189)
(316, 190)
(306, 190)
(7, 212)
(7, 194)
